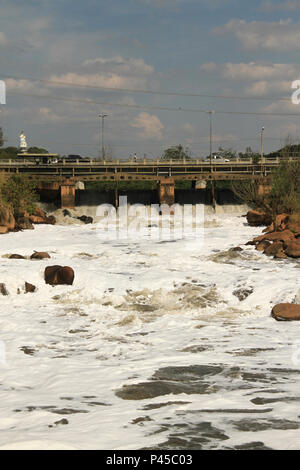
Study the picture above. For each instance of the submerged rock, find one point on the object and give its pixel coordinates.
(29, 288)
(15, 256)
(243, 293)
(40, 255)
(3, 290)
(85, 219)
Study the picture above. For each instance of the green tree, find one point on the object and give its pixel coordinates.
(1, 137)
(177, 152)
(9, 152)
(284, 196)
(37, 150)
(19, 193)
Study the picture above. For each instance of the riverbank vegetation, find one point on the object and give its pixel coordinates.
(18, 194)
(283, 196)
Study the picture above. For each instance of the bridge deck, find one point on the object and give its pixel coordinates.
(117, 170)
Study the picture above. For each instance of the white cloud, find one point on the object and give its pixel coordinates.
(113, 72)
(3, 39)
(288, 5)
(130, 65)
(150, 125)
(257, 79)
(276, 36)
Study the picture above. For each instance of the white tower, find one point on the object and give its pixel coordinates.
(23, 143)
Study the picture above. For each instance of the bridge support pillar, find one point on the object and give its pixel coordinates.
(166, 191)
(213, 194)
(67, 195)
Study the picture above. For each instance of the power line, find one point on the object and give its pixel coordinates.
(142, 91)
(153, 108)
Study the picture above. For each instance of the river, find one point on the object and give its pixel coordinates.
(159, 344)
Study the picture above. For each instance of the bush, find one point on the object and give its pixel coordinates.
(18, 192)
(284, 196)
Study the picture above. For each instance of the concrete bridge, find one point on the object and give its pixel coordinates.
(64, 176)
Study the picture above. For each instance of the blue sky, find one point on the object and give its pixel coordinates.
(100, 50)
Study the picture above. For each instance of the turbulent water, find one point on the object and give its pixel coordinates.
(157, 345)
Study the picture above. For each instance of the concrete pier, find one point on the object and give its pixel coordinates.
(166, 191)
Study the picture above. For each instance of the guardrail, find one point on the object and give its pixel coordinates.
(143, 162)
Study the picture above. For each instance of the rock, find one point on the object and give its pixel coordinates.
(14, 256)
(24, 223)
(51, 220)
(67, 213)
(3, 230)
(40, 213)
(292, 248)
(35, 219)
(41, 218)
(294, 224)
(29, 287)
(85, 219)
(262, 245)
(251, 243)
(286, 312)
(273, 249)
(236, 248)
(268, 229)
(283, 236)
(282, 221)
(59, 275)
(3, 290)
(257, 218)
(40, 255)
(280, 254)
(243, 293)
(6, 219)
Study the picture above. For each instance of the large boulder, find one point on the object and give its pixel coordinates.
(59, 275)
(257, 218)
(41, 217)
(283, 236)
(40, 255)
(274, 249)
(262, 245)
(6, 220)
(286, 312)
(292, 248)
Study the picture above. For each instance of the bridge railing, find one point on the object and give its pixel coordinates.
(144, 162)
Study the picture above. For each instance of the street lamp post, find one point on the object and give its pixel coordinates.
(210, 134)
(101, 135)
(262, 144)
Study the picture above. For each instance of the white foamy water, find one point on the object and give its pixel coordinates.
(158, 344)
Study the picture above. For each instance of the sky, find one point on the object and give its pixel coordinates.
(155, 67)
